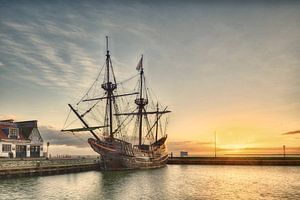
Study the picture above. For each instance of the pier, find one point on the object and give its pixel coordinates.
(41, 167)
(267, 161)
(31, 167)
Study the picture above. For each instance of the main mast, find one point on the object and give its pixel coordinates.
(109, 87)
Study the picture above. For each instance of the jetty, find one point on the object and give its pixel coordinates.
(260, 161)
(32, 167)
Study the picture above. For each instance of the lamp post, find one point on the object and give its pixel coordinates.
(215, 144)
(48, 143)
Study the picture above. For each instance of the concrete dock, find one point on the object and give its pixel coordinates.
(30, 167)
(41, 167)
(276, 161)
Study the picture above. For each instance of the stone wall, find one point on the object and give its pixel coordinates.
(32, 163)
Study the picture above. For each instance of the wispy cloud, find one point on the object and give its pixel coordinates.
(292, 132)
(55, 54)
(10, 116)
(190, 146)
(48, 53)
(56, 137)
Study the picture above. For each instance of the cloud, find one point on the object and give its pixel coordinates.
(189, 146)
(56, 137)
(48, 53)
(207, 148)
(292, 132)
(221, 53)
(263, 150)
(9, 116)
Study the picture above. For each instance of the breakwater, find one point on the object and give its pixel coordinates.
(31, 167)
(268, 161)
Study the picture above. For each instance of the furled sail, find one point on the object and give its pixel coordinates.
(144, 113)
(83, 129)
(120, 95)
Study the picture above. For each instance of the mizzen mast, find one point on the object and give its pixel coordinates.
(156, 125)
(141, 102)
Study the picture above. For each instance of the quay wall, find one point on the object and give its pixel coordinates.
(290, 161)
(30, 167)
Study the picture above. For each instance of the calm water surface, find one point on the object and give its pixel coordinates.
(172, 182)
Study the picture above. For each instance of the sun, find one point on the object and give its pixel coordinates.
(233, 148)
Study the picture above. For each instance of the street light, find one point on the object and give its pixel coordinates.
(48, 143)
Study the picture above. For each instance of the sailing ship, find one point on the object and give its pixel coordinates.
(129, 130)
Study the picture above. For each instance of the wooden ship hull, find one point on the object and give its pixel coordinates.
(120, 155)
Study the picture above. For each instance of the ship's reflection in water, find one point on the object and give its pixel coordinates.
(134, 184)
(172, 182)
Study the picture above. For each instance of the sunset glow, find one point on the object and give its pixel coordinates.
(231, 69)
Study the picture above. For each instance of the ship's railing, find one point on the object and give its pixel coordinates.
(141, 101)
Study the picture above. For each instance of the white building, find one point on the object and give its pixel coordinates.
(20, 139)
(184, 154)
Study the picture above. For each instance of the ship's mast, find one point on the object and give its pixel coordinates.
(109, 85)
(109, 88)
(157, 120)
(141, 108)
(141, 102)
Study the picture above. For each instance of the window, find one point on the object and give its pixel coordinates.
(6, 147)
(13, 133)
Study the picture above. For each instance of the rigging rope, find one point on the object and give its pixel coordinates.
(91, 85)
(124, 81)
(112, 70)
(66, 119)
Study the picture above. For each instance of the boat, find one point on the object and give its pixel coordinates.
(128, 129)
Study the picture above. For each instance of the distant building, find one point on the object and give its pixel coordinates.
(184, 154)
(20, 139)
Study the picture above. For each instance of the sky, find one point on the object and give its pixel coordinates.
(225, 67)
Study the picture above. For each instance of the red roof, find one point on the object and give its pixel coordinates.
(6, 125)
(25, 128)
(2, 135)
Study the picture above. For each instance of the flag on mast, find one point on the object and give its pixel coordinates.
(140, 64)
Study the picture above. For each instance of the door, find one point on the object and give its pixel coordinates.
(20, 151)
(34, 151)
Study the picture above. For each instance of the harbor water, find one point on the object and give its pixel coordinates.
(171, 182)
